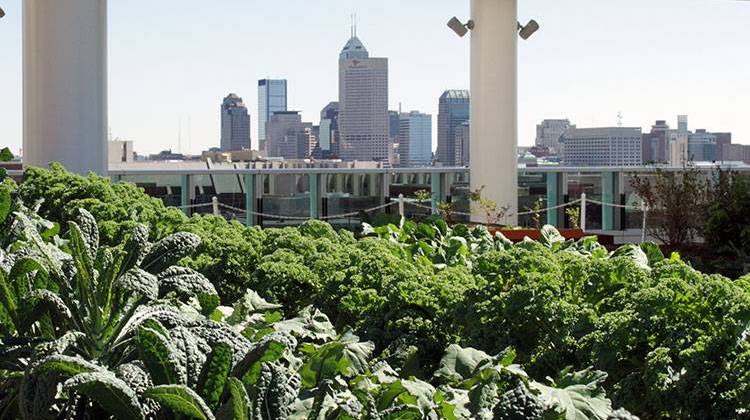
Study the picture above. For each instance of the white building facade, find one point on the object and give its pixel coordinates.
(609, 146)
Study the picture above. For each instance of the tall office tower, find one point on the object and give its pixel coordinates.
(415, 139)
(453, 110)
(549, 132)
(610, 146)
(271, 98)
(463, 138)
(363, 101)
(235, 124)
(287, 136)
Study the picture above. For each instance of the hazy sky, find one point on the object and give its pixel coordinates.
(172, 61)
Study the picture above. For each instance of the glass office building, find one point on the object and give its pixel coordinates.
(271, 98)
(415, 139)
(453, 111)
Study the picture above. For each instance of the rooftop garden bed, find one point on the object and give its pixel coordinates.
(114, 306)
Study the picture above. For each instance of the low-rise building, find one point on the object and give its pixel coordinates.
(120, 151)
(606, 146)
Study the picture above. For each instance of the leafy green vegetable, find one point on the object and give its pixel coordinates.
(181, 400)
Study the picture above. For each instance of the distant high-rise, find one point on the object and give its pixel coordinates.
(462, 153)
(609, 146)
(702, 146)
(329, 120)
(663, 145)
(415, 139)
(363, 102)
(682, 123)
(272, 97)
(394, 125)
(287, 136)
(235, 124)
(549, 132)
(655, 145)
(722, 140)
(453, 110)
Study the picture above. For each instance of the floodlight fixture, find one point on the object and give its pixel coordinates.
(2, 13)
(525, 32)
(460, 28)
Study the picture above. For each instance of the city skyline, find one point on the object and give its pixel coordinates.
(585, 68)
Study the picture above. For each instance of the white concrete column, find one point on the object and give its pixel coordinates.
(494, 103)
(65, 84)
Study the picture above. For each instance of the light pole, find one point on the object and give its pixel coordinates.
(65, 84)
(494, 99)
(494, 103)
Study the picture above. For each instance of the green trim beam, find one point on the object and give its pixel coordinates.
(249, 199)
(553, 198)
(608, 197)
(185, 194)
(314, 196)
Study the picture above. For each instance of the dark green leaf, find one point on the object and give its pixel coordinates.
(5, 202)
(238, 406)
(169, 250)
(110, 392)
(181, 400)
(215, 373)
(159, 356)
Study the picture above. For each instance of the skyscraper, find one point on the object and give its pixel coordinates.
(363, 101)
(415, 139)
(453, 111)
(271, 98)
(235, 124)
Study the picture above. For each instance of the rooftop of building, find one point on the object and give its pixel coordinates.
(455, 94)
(600, 131)
(354, 48)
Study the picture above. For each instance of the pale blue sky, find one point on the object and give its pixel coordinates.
(174, 60)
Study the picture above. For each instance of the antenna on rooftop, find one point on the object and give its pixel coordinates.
(619, 119)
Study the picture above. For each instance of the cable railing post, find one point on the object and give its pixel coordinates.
(401, 205)
(583, 212)
(215, 205)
